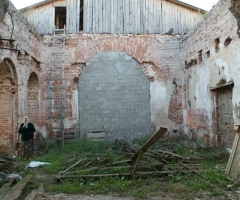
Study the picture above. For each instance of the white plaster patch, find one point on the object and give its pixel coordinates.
(43, 131)
(160, 105)
(219, 62)
(74, 104)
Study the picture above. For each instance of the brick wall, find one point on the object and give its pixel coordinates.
(114, 96)
(158, 56)
(209, 56)
(16, 67)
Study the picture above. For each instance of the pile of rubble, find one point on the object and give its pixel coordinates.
(141, 161)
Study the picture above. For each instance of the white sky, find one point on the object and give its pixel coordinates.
(204, 4)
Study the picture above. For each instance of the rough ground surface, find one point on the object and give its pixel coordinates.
(117, 197)
(100, 197)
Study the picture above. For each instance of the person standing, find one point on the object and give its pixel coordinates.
(27, 132)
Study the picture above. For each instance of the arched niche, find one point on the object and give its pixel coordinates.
(8, 101)
(114, 96)
(33, 98)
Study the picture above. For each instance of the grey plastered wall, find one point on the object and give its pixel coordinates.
(114, 96)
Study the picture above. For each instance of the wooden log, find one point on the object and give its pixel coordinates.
(138, 160)
(150, 142)
(118, 167)
(117, 174)
(71, 167)
(191, 169)
(16, 190)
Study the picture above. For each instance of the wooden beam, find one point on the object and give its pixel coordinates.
(150, 142)
(138, 160)
(16, 190)
(5, 187)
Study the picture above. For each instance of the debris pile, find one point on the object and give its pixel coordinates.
(6, 165)
(141, 161)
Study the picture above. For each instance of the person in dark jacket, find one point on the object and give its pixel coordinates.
(27, 132)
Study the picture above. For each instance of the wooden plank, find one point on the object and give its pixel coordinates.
(16, 190)
(151, 18)
(137, 17)
(121, 174)
(74, 15)
(142, 166)
(141, 3)
(137, 162)
(32, 195)
(96, 16)
(53, 20)
(125, 2)
(103, 16)
(85, 17)
(90, 16)
(5, 187)
(150, 142)
(234, 155)
(96, 135)
(100, 16)
(68, 24)
(75, 164)
(164, 8)
(111, 22)
(59, 4)
(131, 17)
(39, 192)
(120, 16)
(127, 17)
(146, 16)
(77, 25)
(108, 20)
(107, 16)
(158, 16)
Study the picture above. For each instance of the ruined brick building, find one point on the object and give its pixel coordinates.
(130, 67)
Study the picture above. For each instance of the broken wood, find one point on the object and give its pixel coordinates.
(136, 164)
(190, 169)
(118, 174)
(150, 142)
(31, 196)
(39, 192)
(71, 167)
(16, 190)
(5, 187)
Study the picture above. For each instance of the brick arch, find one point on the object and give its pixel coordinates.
(133, 46)
(33, 97)
(8, 112)
(145, 49)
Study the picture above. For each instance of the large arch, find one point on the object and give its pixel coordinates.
(114, 96)
(33, 98)
(8, 101)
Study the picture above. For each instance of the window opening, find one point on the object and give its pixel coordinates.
(81, 16)
(217, 42)
(60, 17)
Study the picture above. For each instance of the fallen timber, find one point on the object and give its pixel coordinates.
(142, 161)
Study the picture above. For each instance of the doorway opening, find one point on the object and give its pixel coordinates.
(60, 17)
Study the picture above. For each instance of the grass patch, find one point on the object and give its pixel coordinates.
(91, 153)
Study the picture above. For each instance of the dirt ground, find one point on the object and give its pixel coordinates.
(100, 197)
(118, 197)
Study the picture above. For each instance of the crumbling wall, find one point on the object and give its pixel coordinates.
(19, 57)
(211, 60)
(158, 57)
